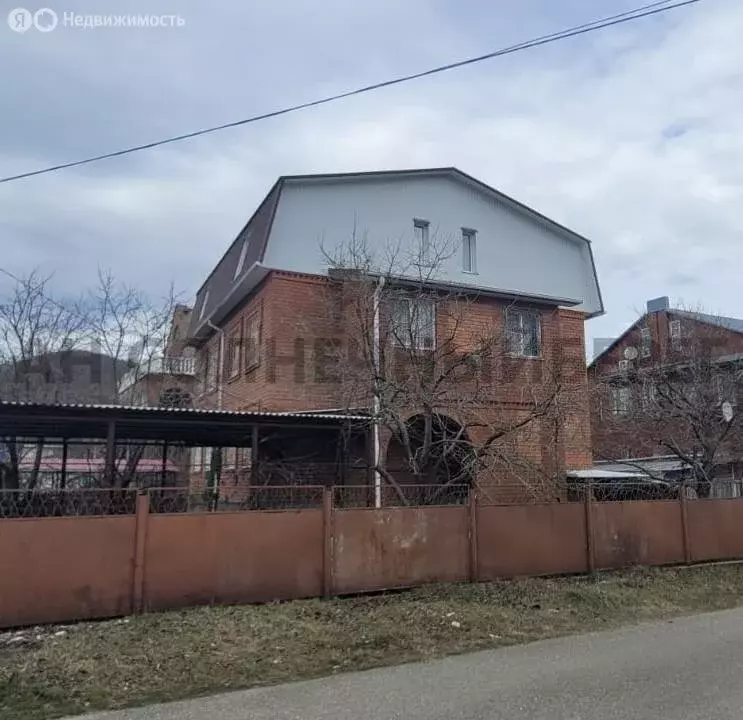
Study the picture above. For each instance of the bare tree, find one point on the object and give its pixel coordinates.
(443, 370)
(45, 354)
(37, 335)
(132, 328)
(126, 323)
(679, 401)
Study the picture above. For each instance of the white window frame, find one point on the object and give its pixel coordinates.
(241, 259)
(422, 235)
(646, 342)
(520, 351)
(469, 250)
(252, 340)
(620, 400)
(674, 330)
(648, 395)
(211, 371)
(724, 386)
(234, 352)
(409, 336)
(229, 458)
(197, 459)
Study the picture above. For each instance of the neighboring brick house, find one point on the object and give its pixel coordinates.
(67, 376)
(704, 353)
(263, 325)
(167, 379)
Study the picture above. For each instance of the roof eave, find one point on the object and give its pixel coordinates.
(250, 279)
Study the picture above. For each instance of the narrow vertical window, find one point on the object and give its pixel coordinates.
(204, 303)
(241, 259)
(422, 239)
(646, 342)
(469, 250)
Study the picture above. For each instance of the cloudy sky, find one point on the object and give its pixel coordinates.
(632, 136)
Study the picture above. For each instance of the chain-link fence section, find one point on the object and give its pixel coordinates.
(61, 503)
(244, 498)
(254, 497)
(387, 495)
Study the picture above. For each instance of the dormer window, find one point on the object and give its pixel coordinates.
(204, 303)
(241, 259)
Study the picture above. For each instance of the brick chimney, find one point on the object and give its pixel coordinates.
(658, 304)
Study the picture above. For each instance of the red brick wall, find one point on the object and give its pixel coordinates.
(616, 437)
(297, 313)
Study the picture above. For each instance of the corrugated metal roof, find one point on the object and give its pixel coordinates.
(729, 323)
(650, 465)
(598, 473)
(185, 411)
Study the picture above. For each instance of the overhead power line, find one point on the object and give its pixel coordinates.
(628, 16)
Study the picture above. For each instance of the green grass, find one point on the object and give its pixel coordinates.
(165, 656)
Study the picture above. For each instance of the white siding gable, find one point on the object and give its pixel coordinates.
(516, 251)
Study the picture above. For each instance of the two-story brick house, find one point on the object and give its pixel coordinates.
(262, 324)
(665, 396)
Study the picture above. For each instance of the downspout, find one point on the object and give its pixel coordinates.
(377, 402)
(220, 377)
(220, 370)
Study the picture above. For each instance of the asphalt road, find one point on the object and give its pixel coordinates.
(688, 669)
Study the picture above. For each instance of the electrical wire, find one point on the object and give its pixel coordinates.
(628, 16)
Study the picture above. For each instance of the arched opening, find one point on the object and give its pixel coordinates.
(434, 455)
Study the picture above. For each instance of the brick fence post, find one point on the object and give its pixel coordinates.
(140, 543)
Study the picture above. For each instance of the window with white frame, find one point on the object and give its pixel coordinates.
(646, 342)
(469, 250)
(252, 340)
(674, 330)
(422, 239)
(648, 395)
(234, 349)
(241, 259)
(414, 322)
(197, 459)
(724, 387)
(620, 400)
(523, 333)
(211, 369)
(230, 458)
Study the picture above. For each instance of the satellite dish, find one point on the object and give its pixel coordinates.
(727, 411)
(630, 353)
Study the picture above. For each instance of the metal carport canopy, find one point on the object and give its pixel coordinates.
(177, 426)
